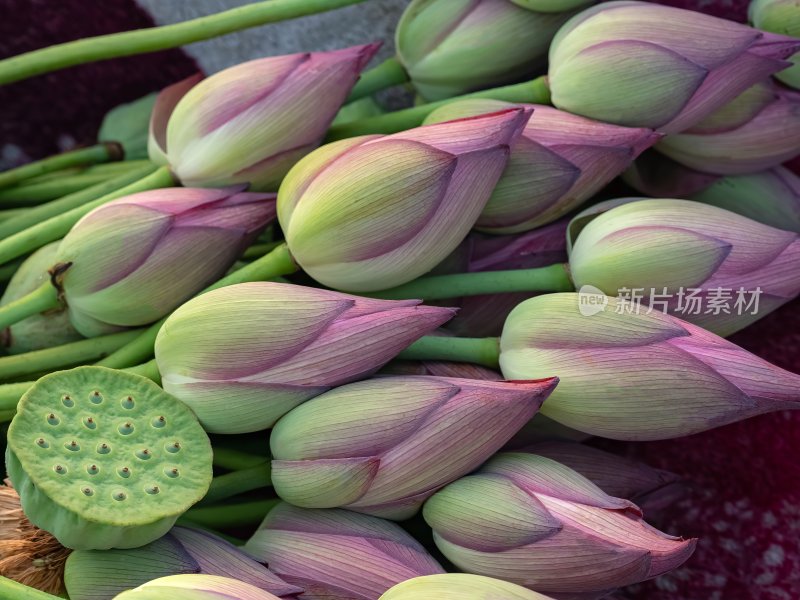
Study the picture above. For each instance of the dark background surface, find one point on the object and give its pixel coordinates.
(745, 478)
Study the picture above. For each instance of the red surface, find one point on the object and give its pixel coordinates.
(746, 504)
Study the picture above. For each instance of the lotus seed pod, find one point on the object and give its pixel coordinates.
(44, 330)
(459, 586)
(105, 459)
(195, 587)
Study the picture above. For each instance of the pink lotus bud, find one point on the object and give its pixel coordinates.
(535, 522)
(637, 375)
(338, 554)
(770, 197)
(722, 144)
(87, 574)
(655, 175)
(383, 446)
(704, 264)
(459, 586)
(244, 355)
(484, 316)
(643, 65)
(440, 369)
(560, 161)
(370, 213)
(195, 587)
(649, 488)
(131, 261)
(250, 123)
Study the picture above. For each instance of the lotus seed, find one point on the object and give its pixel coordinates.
(126, 428)
(171, 472)
(67, 401)
(89, 423)
(120, 495)
(96, 397)
(72, 446)
(152, 489)
(60, 469)
(92, 470)
(159, 421)
(87, 491)
(53, 419)
(127, 403)
(103, 448)
(42, 443)
(173, 448)
(124, 472)
(144, 454)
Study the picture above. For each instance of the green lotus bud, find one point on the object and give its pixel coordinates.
(105, 459)
(128, 124)
(43, 330)
(459, 586)
(780, 16)
(195, 587)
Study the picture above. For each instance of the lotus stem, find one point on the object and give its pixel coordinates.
(231, 515)
(236, 460)
(43, 298)
(553, 278)
(13, 590)
(276, 263)
(152, 39)
(480, 351)
(84, 156)
(387, 74)
(530, 92)
(66, 355)
(57, 226)
(238, 482)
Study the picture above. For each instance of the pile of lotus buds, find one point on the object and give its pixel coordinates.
(266, 339)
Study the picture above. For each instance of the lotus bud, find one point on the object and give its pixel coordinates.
(43, 330)
(368, 213)
(440, 369)
(449, 47)
(637, 375)
(779, 16)
(646, 486)
(537, 523)
(770, 197)
(250, 123)
(459, 586)
(552, 5)
(643, 65)
(559, 162)
(195, 587)
(764, 141)
(166, 101)
(383, 446)
(543, 429)
(102, 574)
(712, 267)
(655, 175)
(126, 124)
(244, 355)
(338, 554)
(131, 261)
(483, 316)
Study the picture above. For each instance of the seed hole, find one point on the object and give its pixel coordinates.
(172, 473)
(128, 403)
(67, 401)
(126, 428)
(89, 423)
(72, 446)
(42, 443)
(96, 397)
(103, 448)
(144, 454)
(119, 495)
(52, 419)
(60, 469)
(87, 491)
(173, 447)
(92, 469)
(153, 489)
(124, 472)
(159, 421)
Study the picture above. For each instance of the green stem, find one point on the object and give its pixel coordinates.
(12, 213)
(481, 351)
(258, 250)
(553, 278)
(57, 226)
(238, 482)
(66, 355)
(43, 298)
(235, 460)
(183, 521)
(43, 212)
(159, 38)
(148, 369)
(7, 270)
(83, 156)
(12, 590)
(31, 192)
(231, 515)
(530, 92)
(276, 263)
(387, 74)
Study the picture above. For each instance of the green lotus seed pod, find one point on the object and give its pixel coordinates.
(105, 459)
